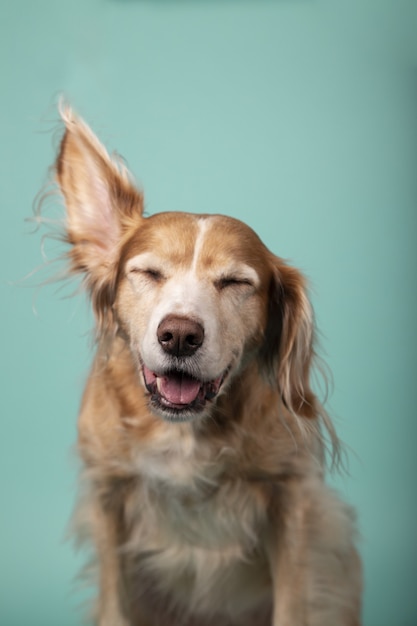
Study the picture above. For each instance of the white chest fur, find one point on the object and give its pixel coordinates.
(195, 530)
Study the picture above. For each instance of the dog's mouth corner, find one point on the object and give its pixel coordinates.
(179, 394)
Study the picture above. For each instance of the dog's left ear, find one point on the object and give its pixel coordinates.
(288, 347)
(102, 204)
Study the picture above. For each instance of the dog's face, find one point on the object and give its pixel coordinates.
(195, 297)
(192, 301)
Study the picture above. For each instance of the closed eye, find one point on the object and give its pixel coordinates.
(232, 281)
(148, 272)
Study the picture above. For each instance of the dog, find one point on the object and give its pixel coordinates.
(202, 442)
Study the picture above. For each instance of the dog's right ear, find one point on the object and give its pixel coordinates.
(100, 198)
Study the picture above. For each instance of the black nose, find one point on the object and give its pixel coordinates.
(180, 336)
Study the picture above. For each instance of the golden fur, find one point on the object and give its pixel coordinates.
(199, 432)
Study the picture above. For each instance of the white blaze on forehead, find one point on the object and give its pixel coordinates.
(203, 227)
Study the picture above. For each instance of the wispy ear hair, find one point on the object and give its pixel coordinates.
(289, 349)
(101, 204)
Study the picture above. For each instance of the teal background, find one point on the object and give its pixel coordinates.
(298, 117)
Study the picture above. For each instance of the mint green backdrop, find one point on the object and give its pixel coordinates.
(299, 117)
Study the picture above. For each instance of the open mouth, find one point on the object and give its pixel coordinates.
(179, 394)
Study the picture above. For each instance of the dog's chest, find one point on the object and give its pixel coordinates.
(193, 527)
(189, 500)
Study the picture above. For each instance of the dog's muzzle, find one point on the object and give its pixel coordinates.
(176, 395)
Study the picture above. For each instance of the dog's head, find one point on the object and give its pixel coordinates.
(197, 298)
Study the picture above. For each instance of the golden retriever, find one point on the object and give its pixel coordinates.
(201, 438)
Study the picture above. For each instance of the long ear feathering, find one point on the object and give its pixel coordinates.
(290, 353)
(102, 205)
(296, 343)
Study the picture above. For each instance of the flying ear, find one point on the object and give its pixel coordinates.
(101, 202)
(289, 339)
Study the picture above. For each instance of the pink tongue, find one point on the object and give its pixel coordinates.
(179, 389)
